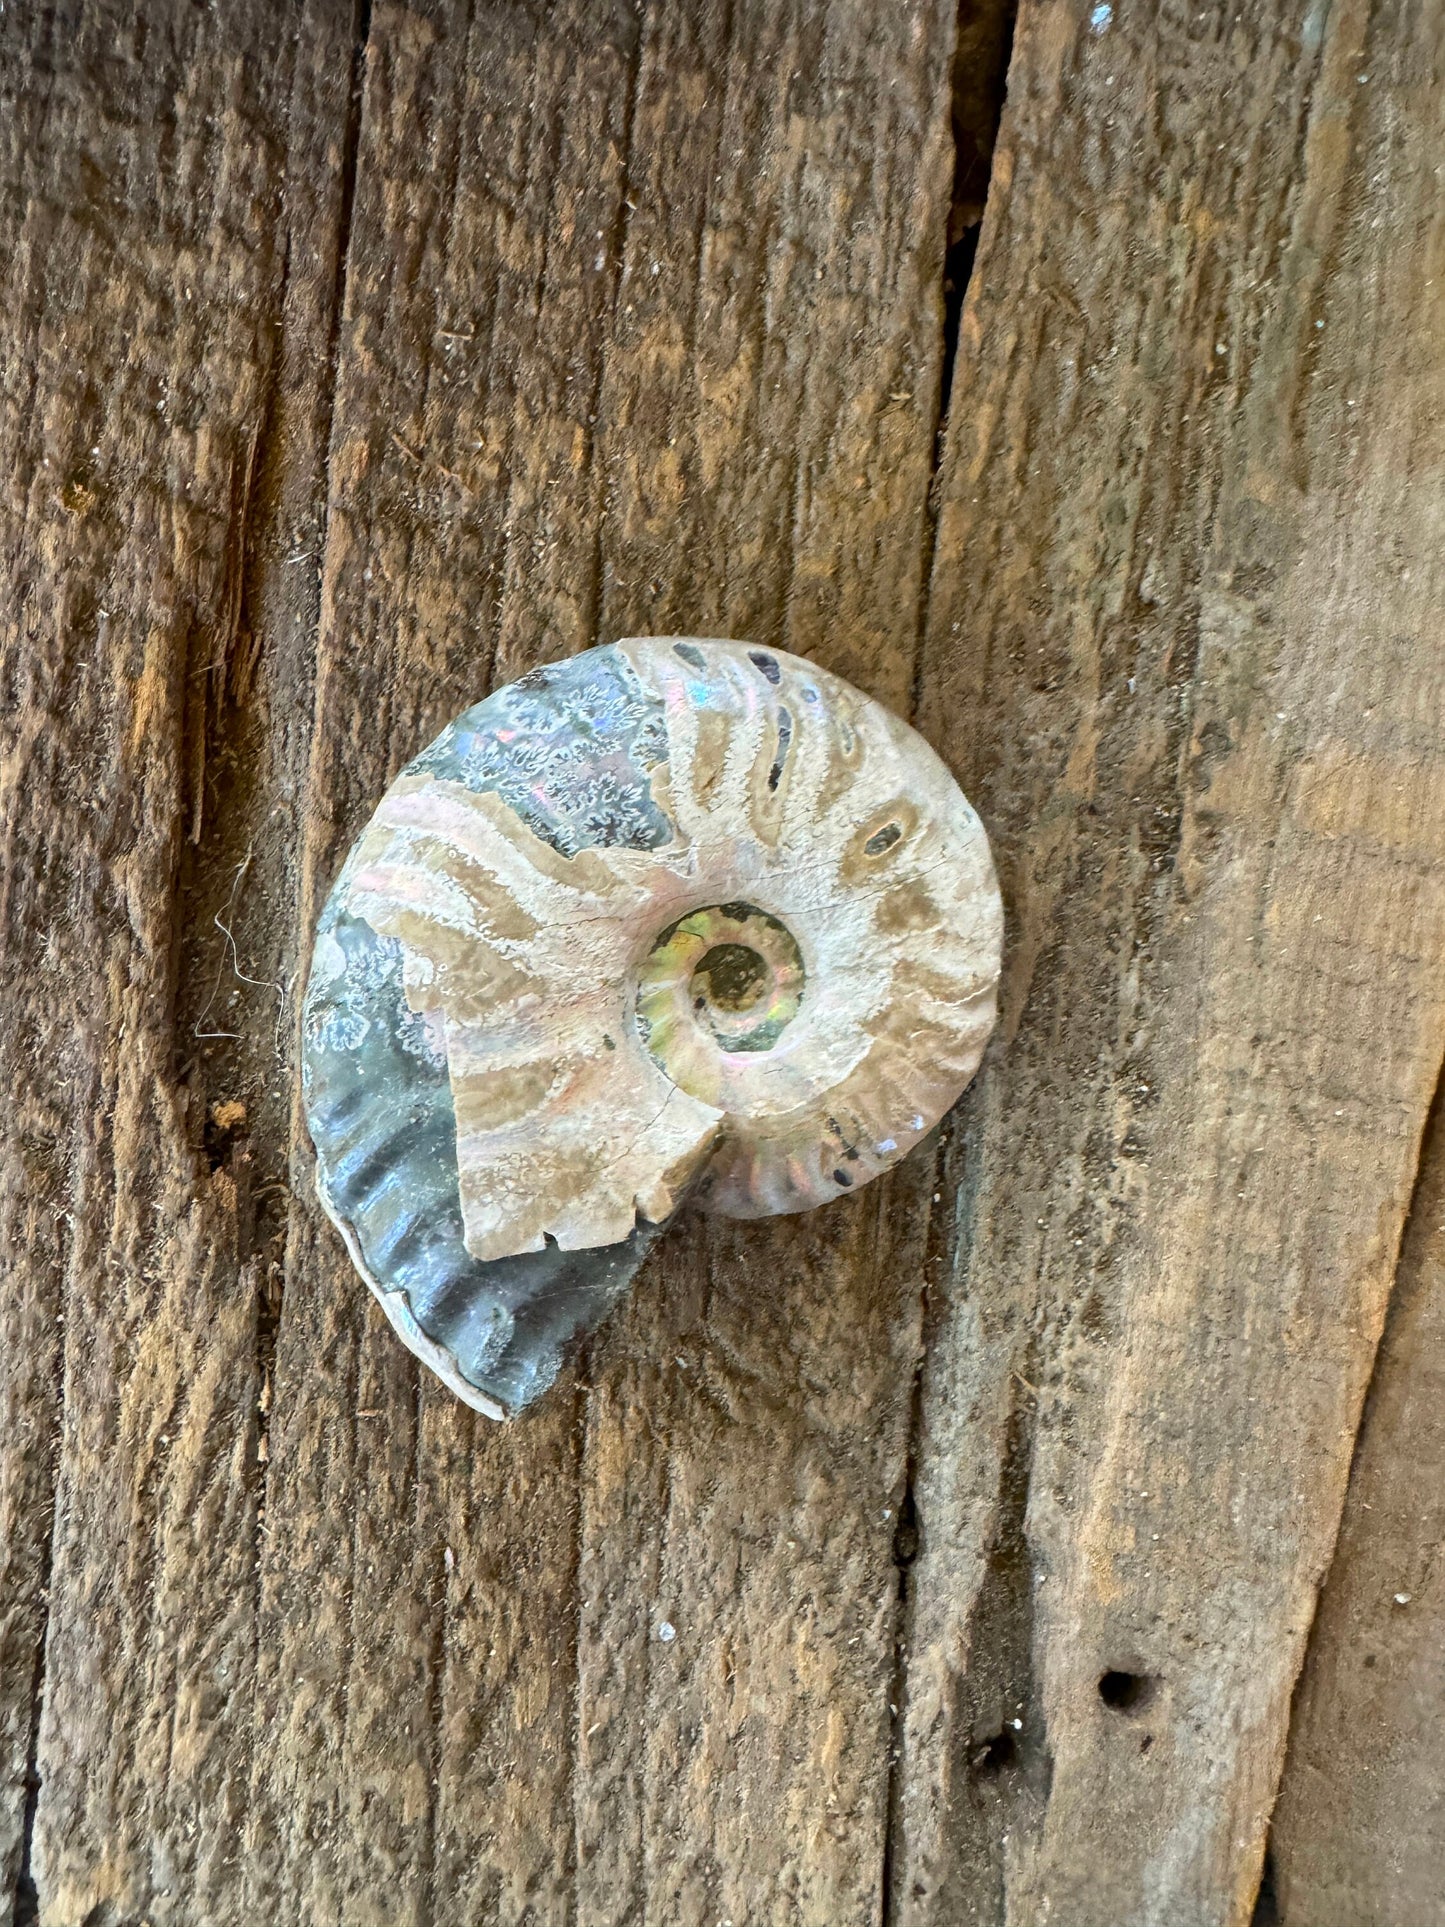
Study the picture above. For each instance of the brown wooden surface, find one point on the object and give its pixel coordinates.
(1186, 587)
(352, 361)
(1359, 1834)
(160, 230)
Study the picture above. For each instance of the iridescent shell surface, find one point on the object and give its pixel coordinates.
(675, 919)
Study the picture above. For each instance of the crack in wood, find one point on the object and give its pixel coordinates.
(26, 1900)
(983, 43)
(978, 77)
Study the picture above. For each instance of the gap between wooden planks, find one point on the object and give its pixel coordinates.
(448, 1702)
(1359, 1832)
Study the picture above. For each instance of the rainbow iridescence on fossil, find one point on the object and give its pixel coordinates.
(673, 919)
(725, 979)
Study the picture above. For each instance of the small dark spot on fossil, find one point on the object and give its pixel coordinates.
(882, 840)
(692, 657)
(842, 1177)
(731, 977)
(768, 664)
(785, 736)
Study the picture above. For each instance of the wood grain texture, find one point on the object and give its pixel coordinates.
(351, 363)
(1187, 559)
(146, 160)
(764, 434)
(641, 331)
(416, 1677)
(1359, 1832)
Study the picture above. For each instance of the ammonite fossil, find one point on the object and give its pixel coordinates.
(675, 920)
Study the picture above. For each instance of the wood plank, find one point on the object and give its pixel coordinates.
(406, 1537)
(147, 156)
(642, 332)
(1181, 648)
(765, 431)
(659, 348)
(1359, 1832)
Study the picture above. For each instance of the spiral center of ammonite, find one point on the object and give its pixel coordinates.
(730, 976)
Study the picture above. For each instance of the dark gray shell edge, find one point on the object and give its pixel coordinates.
(380, 1115)
(571, 748)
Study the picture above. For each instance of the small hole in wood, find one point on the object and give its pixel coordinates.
(219, 1137)
(996, 1754)
(1266, 1906)
(1125, 1692)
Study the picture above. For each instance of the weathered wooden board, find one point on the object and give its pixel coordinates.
(379, 1794)
(151, 253)
(1181, 644)
(641, 331)
(354, 361)
(1359, 1832)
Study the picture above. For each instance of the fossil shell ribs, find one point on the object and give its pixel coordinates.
(676, 916)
